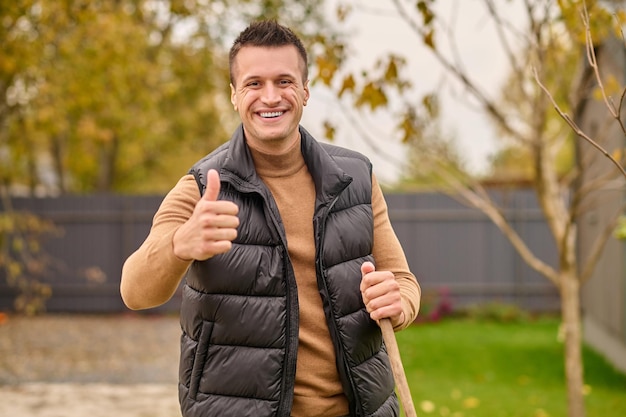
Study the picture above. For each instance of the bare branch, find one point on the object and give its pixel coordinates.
(603, 182)
(591, 57)
(489, 106)
(575, 127)
(365, 134)
(489, 208)
(598, 246)
(500, 25)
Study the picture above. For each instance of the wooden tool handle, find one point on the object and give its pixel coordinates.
(396, 366)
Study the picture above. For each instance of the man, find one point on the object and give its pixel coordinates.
(277, 236)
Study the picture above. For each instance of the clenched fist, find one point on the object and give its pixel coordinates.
(381, 294)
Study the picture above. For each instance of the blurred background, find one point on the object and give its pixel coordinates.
(496, 129)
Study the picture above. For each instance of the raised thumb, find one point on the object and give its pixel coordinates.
(367, 267)
(212, 185)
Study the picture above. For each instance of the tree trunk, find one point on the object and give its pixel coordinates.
(570, 313)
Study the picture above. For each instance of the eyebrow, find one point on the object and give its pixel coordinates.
(256, 77)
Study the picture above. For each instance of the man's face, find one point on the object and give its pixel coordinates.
(269, 94)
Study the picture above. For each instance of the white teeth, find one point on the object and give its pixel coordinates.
(271, 114)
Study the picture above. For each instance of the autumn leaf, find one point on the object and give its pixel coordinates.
(429, 39)
(620, 230)
(407, 127)
(329, 131)
(391, 74)
(325, 69)
(471, 402)
(427, 14)
(372, 95)
(618, 154)
(347, 85)
(427, 406)
(430, 103)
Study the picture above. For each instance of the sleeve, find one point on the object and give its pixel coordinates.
(151, 275)
(389, 256)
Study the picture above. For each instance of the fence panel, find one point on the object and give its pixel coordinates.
(449, 246)
(457, 249)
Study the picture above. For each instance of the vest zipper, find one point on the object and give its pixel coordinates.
(321, 226)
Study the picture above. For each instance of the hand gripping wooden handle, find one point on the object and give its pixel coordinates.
(396, 366)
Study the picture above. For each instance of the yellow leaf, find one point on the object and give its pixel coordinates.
(343, 11)
(612, 85)
(329, 131)
(372, 95)
(429, 39)
(325, 69)
(617, 154)
(427, 406)
(14, 269)
(407, 127)
(471, 402)
(18, 244)
(392, 71)
(427, 14)
(348, 85)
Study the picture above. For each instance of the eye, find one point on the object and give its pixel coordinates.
(253, 84)
(284, 82)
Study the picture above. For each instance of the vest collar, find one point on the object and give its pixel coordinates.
(328, 177)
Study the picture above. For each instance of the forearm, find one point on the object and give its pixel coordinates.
(411, 294)
(151, 275)
(389, 256)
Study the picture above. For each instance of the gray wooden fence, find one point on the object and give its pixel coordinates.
(450, 247)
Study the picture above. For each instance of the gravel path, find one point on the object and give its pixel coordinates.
(96, 366)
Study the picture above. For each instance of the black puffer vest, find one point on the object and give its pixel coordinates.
(239, 312)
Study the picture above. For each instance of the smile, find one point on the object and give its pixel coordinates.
(270, 115)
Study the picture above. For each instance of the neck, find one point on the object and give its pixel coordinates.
(277, 161)
(274, 147)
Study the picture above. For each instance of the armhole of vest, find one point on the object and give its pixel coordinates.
(371, 170)
(196, 175)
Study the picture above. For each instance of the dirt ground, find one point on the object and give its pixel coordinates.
(95, 366)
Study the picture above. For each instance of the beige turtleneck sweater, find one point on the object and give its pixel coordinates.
(318, 391)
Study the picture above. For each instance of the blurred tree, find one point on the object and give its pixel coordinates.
(553, 47)
(114, 96)
(24, 264)
(124, 95)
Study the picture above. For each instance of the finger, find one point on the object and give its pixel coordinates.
(221, 210)
(367, 267)
(213, 248)
(217, 234)
(212, 186)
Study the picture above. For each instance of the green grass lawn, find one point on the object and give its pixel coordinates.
(466, 368)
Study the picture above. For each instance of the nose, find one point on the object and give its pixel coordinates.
(271, 95)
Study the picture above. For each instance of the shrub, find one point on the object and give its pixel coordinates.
(496, 311)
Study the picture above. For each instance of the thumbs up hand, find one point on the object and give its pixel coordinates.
(381, 294)
(212, 226)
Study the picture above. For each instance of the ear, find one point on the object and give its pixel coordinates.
(306, 92)
(233, 98)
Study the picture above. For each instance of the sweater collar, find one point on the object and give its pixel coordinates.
(328, 177)
(283, 164)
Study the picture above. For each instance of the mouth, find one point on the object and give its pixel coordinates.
(271, 114)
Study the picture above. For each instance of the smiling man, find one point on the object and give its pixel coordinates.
(269, 90)
(288, 257)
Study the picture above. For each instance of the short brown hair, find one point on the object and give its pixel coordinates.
(271, 34)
